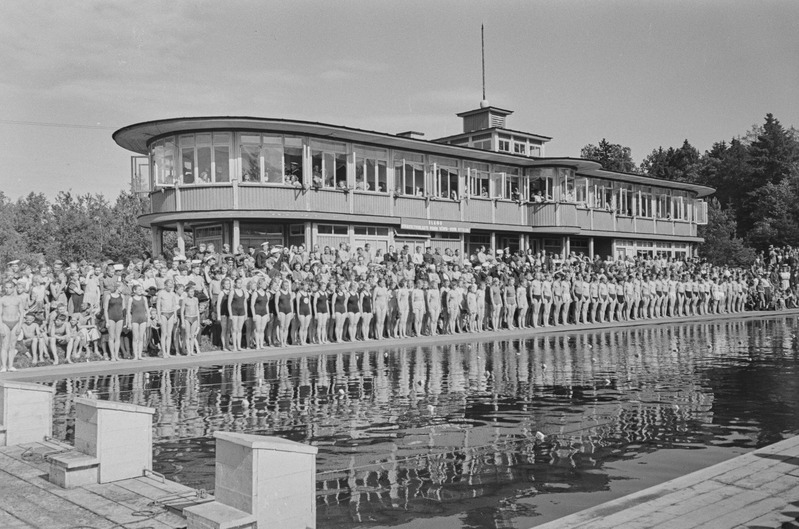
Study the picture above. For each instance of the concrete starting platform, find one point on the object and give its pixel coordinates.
(30, 500)
(753, 491)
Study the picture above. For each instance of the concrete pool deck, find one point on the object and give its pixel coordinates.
(211, 358)
(759, 489)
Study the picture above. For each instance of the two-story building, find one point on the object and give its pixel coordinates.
(244, 180)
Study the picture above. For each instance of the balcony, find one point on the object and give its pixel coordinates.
(478, 210)
(330, 200)
(371, 203)
(444, 209)
(407, 206)
(507, 212)
(603, 220)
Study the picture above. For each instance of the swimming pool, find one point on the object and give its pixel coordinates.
(485, 433)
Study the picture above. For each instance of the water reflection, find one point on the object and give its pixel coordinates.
(476, 428)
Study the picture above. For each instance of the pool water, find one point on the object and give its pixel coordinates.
(485, 433)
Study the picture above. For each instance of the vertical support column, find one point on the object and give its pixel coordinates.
(236, 235)
(119, 435)
(156, 240)
(493, 243)
(567, 246)
(26, 411)
(235, 189)
(181, 238)
(308, 236)
(591, 248)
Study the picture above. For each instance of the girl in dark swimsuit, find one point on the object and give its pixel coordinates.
(340, 312)
(138, 312)
(237, 306)
(260, 312)
(190, 314)
(223, 313)
(114, 319)
(366, 310)
(285, 313)
(353, 310)
(304, 311)
(321, 311)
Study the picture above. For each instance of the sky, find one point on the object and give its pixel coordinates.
(643, 74)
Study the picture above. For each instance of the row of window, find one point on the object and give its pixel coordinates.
(289, 160)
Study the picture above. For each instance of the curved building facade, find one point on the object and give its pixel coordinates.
(245, 180)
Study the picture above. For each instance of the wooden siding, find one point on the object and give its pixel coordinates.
(567, 214)
(644, 225)
(624, 224)
(507, 212)
(664, 227)
(542, 214)
(271, 198)
(445, 210)
(582, 218)
(331, 201)
(198, 198)
(684, 228)
(163, 201)
(478, 210)
(410, 207)
(603, 220)
(371, 204)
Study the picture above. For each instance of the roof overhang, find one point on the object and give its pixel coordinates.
(137, 138)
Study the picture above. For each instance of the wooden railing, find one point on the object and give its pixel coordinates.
(244, 196)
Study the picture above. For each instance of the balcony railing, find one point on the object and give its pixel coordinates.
(245, 196)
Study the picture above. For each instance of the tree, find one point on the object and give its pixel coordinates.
(12, 243)
(34, 221)
(721, 245)
(681, 164)
(612, 156)
(127, 239)
(774, 154)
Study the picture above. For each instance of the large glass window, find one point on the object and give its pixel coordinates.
(505, 182)
(264, 158)
(581, 191)
(603, 195)
(624, 199)
(205, 158)
(541, 183)
(478, 178)
(663, 205)
(329, 162)
(645, 202)
(678, 209)
(566, 177)
(445, 177)
(370, 169)
(162, 154)
(409, 173)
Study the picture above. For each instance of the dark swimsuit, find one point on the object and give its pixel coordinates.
(115, 308)
(341, 306)
(138, 310)
(305, 304)
(352, 303)
(261, 303)
(223, 309)
(321, 304)
(237, 305)
(367, 302)
(284, 303)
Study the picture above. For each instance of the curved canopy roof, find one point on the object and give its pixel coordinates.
(137, 137)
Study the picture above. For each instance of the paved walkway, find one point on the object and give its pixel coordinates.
(219, 357)
(28, 500)
(756, 490)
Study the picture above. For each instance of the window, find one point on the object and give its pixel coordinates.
(700, 211)
(519, 148)
(678, 206)
(663, 205)
(484, 145)
(371, 230)
(331, 229)
(162, 156)
(535, 150)
(205, 158)
(370, 169)
(541, 183)
(603, 195)
(409, 173)
(645, 202)
(329, 164)
(267, 159)
(445, 177)
(253, 234)
(566, 177)
(503, 145)
(624, 199)
(505, 180)
(581, 191)
(478, 178)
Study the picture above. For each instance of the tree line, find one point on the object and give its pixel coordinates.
(756, 203)
(756, 177)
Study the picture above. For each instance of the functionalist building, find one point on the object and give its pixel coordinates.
(245, 180)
